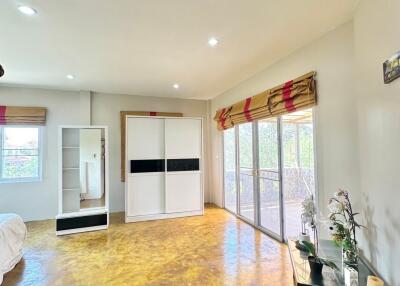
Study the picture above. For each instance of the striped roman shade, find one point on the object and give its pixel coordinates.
(19, 115)
(288, 97)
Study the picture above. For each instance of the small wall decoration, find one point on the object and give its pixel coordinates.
(391, 68)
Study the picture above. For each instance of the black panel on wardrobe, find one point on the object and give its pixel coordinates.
(80, 222)
(146, 166)
(174, 165)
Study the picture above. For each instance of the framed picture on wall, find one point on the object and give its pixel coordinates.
(391, 68)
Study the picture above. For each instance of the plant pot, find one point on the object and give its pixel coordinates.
(315, 266)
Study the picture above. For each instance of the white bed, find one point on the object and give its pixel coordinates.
(12, 237)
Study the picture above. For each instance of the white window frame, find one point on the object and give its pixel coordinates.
(40, 156)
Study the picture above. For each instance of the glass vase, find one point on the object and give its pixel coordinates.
(350, 255)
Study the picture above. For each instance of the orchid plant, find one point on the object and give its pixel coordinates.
(310, 247)
(343, 225)
(308, 210)
(308, 217)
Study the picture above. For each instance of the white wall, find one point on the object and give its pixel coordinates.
(105, 111)
(357, 123)
(39, 200)
(377, 30)
(336, 129)
(36, 201)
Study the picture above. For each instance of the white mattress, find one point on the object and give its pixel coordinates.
(12, 237)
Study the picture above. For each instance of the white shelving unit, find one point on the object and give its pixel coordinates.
(71, 217)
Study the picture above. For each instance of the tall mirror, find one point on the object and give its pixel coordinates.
(83, 169)
(91, 168)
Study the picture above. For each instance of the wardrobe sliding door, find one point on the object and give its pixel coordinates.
(146, 165)
(183, 153)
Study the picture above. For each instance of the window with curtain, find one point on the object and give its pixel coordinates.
(20, 153)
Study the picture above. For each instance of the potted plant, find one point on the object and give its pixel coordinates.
(316, 262)
(343, 226)
(307, 217)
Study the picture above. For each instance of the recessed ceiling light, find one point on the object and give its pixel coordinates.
(212, 42)
(27, 10)
(70, 76)
(176, 86)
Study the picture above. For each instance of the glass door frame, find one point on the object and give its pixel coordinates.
(254, 175)
(224, 173)
(278, 236)
(256, 182)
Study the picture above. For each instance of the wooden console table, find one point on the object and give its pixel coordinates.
(301, 268)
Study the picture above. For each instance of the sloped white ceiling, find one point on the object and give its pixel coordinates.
(143, 47)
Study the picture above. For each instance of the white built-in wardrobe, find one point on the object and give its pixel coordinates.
(163, 168)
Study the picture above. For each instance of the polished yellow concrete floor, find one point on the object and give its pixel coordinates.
(214, 249)
(93, 203)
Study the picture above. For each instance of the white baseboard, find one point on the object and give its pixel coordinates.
(129, 219)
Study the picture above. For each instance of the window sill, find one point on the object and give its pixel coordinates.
(20, 180)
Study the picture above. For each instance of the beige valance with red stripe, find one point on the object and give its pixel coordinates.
(288, 97)
(19, 115)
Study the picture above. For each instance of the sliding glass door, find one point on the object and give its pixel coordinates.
(246, 171)
(269, 170)
(269, 176)
(297, 166)
(230, 170)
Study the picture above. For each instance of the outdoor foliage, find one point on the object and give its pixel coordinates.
(20, 153)
(297, 168)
